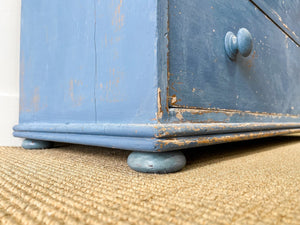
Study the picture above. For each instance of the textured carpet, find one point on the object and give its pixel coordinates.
(253, 182)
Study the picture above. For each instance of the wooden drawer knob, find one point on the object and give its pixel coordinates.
(241, 43)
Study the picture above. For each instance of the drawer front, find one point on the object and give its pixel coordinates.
(201, 75)
(286, 14)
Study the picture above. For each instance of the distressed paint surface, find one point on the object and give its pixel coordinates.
(226, 116)
(86, 61)
(201, 74)
(126, 40)
(57, 61)
(97, 74)
(285, 13)
(163, 59)
(151, 144)
(169, 130)
(197, 141)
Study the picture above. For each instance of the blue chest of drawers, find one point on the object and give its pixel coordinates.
(156, 76)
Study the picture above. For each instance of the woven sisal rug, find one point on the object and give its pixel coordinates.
(253, 182)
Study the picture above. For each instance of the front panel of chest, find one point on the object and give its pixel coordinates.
(202, 76)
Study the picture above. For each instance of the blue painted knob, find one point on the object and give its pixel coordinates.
(241, 43)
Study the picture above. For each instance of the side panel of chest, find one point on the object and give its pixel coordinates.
(202, 75)
(88, 61)
(57, 61)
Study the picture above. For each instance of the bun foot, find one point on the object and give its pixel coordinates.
(36, 144)
(156, 162)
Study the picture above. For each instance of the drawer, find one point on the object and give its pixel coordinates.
(286, 14)
(202, 76)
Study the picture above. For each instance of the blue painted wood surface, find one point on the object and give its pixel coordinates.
(57, 61)
(126, 42)
(147, 162)
(75, 65)
(100, 73)
(202, 75)
(286, 14)
(158, 144)
(164, 130)
(36, 144)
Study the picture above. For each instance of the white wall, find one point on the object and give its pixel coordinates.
(10, 11)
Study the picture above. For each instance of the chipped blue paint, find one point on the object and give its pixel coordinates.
(202, 76)
(151, 130)
(159, 144)
(284, 13)
(132, 75)
(126, 38)
(223, 116)
(75, 65)
(57, 61)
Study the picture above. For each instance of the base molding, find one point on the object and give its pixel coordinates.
(155, 138)
(147, 130)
